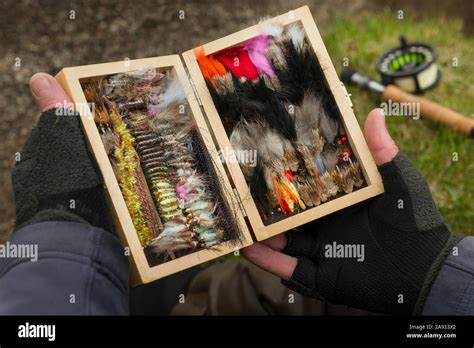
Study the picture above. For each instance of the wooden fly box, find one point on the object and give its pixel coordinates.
(288, 209)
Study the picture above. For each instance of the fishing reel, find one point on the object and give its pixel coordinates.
(410, 66)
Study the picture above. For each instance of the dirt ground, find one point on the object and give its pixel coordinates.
(49, 35)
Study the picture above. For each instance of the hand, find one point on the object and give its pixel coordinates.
(47, 92)
(390, 247)
(56, 177)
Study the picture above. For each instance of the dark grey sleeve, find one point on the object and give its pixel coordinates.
(453, 290)
(77, 269)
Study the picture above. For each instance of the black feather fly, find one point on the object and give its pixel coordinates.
(258, 99)
(304, 74)
(253, 101)
(259, 189)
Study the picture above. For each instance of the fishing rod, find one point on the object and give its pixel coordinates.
(428, 109)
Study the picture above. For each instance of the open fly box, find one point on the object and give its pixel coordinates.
(286, 202)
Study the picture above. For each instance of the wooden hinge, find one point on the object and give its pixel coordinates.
(239, 201)
(193, 86)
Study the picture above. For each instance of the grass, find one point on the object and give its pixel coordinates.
(430, 146)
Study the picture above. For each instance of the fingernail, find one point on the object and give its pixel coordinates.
(40, 86)
(382, 112)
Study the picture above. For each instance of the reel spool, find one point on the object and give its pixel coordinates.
(412, 67)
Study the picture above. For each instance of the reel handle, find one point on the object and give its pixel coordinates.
(433, 111)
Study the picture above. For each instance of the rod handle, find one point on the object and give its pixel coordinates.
(432, 111)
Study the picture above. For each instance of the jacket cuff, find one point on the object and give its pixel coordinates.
(453, 290)
(60, 259)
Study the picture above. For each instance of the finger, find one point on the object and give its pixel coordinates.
(48, 92)
(380, 143)
(277, 243)
(270, 260)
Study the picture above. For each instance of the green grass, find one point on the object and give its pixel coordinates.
(362, 38)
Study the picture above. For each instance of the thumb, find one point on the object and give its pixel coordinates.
(48, 92)
(380, 143)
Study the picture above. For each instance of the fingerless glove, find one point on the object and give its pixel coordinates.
(56, 177)
(403, 237)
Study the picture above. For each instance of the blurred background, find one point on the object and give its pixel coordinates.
(49, 35)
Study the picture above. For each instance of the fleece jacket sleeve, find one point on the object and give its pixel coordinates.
(77, 269)
(453, 290)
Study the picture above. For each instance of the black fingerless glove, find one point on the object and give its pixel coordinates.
(57, 178)
(381, 255)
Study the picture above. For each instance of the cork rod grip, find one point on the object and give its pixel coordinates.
(432, 111)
